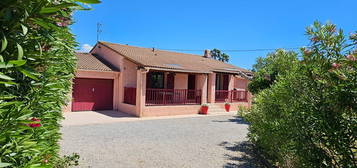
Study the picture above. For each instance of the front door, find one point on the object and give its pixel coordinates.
(191, 86)
(191, 82)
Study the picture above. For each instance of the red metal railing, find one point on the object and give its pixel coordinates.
(231, 96)
(130, 95)
(172, 97)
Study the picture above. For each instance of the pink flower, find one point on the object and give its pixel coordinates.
(335, 65)
(36, 123)
(351, 57)
(63, 22)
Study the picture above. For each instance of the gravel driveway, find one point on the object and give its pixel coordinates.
(209, 141)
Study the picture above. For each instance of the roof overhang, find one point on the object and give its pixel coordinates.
(175, 70)
(246, 75)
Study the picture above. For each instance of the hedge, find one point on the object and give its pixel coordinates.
(37, 63)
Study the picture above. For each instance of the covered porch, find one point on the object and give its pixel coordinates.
(227, 87)
(166, 92)
(164, 88)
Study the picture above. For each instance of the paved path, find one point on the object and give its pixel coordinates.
(208, 141)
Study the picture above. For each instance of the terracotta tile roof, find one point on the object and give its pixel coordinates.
(160, 59)
(88, 61)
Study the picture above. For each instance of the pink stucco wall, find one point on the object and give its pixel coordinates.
(127, 78)
(234, 106)
(181, 81)
(151, 111)
(129, 73)
(108, 55)
(241, 83)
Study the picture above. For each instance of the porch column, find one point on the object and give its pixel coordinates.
(140, 91)
(202, 85)
(211, 87)
(231, 82)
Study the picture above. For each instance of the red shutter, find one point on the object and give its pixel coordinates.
(191, 82)
(148, 80)
(170, 81)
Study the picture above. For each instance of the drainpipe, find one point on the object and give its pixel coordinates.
(207, 88)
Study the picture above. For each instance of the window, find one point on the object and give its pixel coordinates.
(155, 80)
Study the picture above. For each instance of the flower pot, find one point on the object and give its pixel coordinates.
(204, 109)
(227, 107)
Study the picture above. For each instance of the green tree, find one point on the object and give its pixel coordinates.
(37, 64)
(269, 68)
(308, 117)
(219, 55)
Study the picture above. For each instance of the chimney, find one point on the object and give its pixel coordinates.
(207, 54)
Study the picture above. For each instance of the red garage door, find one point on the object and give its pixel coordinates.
(92, 94)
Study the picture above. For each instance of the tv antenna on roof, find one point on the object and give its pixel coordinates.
(99, 30)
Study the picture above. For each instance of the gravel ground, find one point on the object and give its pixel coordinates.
(210, 141)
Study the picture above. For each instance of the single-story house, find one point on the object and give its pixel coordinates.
(150, 82)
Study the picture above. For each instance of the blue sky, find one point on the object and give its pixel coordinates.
(199, 25)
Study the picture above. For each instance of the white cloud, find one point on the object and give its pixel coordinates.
(86, 48)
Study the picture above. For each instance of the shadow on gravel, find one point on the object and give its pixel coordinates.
(244, 158)
(113, 113)
(236, 119)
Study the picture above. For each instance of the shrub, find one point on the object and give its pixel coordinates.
(242, 111)
(269, 68)
(308, 117)
(37, 64)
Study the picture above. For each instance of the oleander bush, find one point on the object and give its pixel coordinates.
(37, 64)
(308, 116)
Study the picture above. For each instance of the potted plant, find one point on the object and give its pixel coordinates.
(227, 106)
(204, 109)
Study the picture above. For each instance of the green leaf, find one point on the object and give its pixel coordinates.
(28, 73)
(53, 9)
(5, 164)
(49, 10)
(3, 44)
(47, 24)
(89, 1)
(8, 83)
(12, 63)
(39, 47)
(3, 76)
(20, 51)
(42, 23)
(24, 29)
(4, 65)
(1, 58)
(5, 97)
(17, 62)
